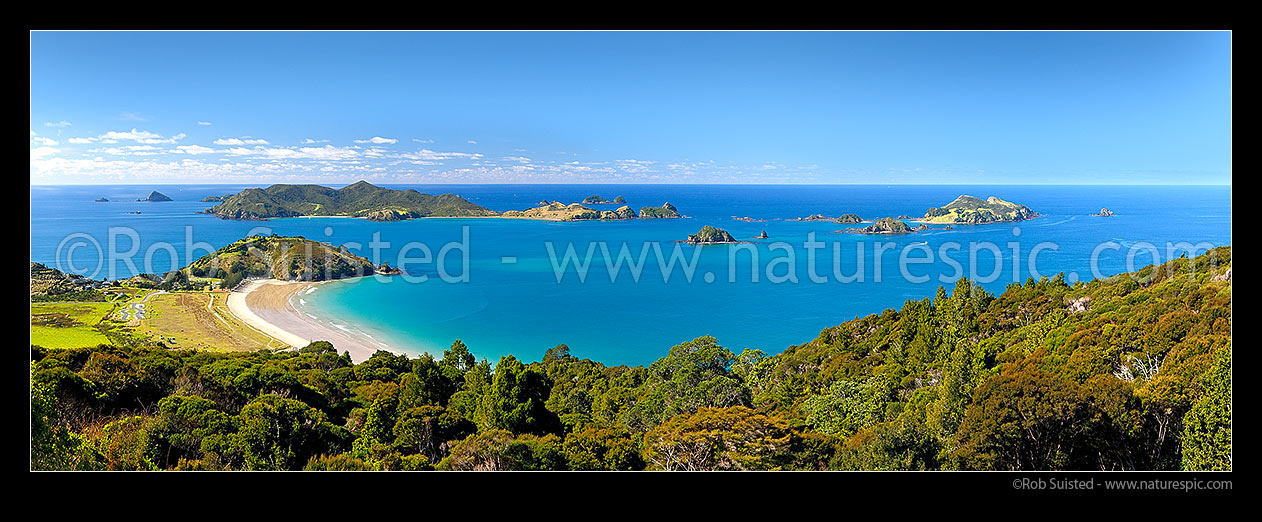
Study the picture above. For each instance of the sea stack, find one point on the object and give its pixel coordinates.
(156, 196)
(1105, 212)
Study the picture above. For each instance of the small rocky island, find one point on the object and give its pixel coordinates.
(971, 210)
(883, 226)
(156, 196)
(763, 235)
(667, 210)
(101, 200)
(1104, 212)
(846, 219)
(812, 217)
(386, 269)
(748, 219)
(709, 235)
(596, 199)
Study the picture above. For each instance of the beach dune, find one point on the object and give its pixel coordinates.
(265, 304)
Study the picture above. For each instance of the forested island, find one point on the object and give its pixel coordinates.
(1131, 372)
(596, 199)
(361, 199)
(709, 235)
(279, 257)
(882, 226)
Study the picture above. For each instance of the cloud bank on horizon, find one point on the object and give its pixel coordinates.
(469, 107)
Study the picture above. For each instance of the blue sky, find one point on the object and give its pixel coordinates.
(631, 107)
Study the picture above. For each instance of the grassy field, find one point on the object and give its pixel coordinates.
(200, 320)
(68, 324)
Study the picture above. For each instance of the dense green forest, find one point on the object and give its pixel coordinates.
(1131, 372)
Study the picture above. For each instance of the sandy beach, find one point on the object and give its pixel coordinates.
(265, 304)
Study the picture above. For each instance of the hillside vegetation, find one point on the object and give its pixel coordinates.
(975, 211)
(1129, 372)
(361, 199)
(278, 257)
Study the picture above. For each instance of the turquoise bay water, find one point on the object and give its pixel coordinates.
(512, 302)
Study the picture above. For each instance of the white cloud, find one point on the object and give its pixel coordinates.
(378, 140)
(130, 150)
(309, 141)
(472, 142)
(194, 149)
(241, 141)
(132, 116)
(62, 123)
(429, 155)
(42, 152)
(160, 139)
(205, 123)
(44, 141)
(81, 141)
(135, 135)
(422, 141)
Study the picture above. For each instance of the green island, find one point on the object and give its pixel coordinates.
(667, 210)
(971, 210)
(1130, 372)
(886, 225)
(361, 199)
(596, 199)
(849, 219)
(279, 257)
(709, 235)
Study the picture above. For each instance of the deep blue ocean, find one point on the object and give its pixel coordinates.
(507, 299)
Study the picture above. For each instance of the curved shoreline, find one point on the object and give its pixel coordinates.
(265, 304)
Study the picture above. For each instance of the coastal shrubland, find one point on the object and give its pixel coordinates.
(975, 211)
(1130, 372)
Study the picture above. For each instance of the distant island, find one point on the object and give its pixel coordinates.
(361, 199)
(763, 235)
(846, 219)
(101, 200)
(557, 211)
(812, 217)
(883, 226)
(709, 235)
(976, 211)
(667, 210)
(595, 199)
(156, 196)
(748, 219)
(1104, 212)
(214, 199)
